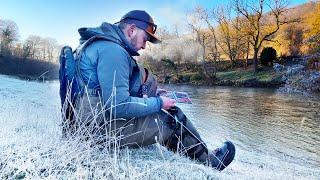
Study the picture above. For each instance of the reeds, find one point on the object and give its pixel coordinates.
(85, 152)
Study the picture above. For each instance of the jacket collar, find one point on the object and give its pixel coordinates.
(110, 32)
(124, 42)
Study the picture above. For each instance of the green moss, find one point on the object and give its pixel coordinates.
(266, 75)
(196, 77)
(229, 75)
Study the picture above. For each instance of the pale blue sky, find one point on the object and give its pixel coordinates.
(60, 19)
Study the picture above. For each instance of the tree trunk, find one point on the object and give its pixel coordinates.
(204, 61)
(247, 55)
(255, 59)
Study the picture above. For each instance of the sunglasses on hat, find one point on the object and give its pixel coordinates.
(151, 28)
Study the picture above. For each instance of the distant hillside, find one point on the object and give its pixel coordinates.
(302, 10)
(292, 38)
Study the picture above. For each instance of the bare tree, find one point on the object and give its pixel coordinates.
(27, 49)
(51, 46)
(40, 48)
(294, 36)
(213, 43)
(230, 32)
(31, 47)
(17, 50)
(197, 20)
(163, 35)
(261, 25)
(9, 33)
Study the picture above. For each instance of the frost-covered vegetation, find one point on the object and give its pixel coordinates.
(31, 147)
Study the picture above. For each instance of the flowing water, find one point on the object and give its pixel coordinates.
(262, 123)
(276, 135)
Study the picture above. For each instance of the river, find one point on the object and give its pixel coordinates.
(261, 122)
(276, 135)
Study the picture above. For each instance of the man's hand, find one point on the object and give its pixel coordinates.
(167, 102)
(161, 92)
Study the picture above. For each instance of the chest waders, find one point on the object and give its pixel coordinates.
(185, 139)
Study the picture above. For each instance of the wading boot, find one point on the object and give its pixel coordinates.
(222, 157)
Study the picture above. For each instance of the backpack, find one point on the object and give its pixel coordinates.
(67, 75)
(70, 88)
(71, 83)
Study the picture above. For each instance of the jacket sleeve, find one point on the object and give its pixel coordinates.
(113, 68)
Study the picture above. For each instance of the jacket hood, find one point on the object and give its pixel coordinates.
(110, 32)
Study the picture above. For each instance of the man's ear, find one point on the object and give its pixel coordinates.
(132, 30)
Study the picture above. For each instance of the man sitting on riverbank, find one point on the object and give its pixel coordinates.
(122, 97)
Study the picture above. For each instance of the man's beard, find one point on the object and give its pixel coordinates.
(134, 42)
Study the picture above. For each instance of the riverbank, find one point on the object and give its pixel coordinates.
(299, 77)
(29, 69)
(265, 78)
(295, 78)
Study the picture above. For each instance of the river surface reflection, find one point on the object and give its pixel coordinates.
(261, 122)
